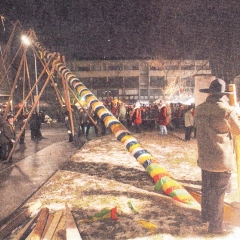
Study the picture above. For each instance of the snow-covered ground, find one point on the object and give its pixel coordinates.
(104, 175)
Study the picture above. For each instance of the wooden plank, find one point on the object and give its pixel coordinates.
(38, 230)
(49, 220)
(60, 233)
(29, 237)
(24, 232)
(71, 228)
(53, 225)
(7, 228)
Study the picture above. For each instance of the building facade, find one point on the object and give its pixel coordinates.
(143, 80)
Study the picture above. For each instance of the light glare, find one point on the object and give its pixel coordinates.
(25, 40)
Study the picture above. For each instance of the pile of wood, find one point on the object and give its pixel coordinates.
(46, 225)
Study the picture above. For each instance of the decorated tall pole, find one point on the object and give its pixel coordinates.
(159, 175)
(233, 102)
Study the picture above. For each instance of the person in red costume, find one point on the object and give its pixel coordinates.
(137, 117)
(162, 118)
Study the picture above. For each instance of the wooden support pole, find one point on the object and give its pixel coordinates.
(34, 85)
(233, 102)
(10, 39)
(6, 72)
(53, 83)
(29, 83)
(30, 113)
(67, 101)
(14, 84)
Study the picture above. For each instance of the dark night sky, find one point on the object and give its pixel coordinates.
(128, 29)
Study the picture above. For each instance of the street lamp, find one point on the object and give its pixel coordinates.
(25, 40)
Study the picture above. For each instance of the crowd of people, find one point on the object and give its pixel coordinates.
(161, 115)
(136, 118)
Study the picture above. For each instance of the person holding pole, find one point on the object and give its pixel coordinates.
(216, 123)
(8, 137)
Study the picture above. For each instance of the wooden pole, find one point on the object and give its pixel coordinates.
(67, 101)
(30, 114)
(53, 83)
(34, 85)
(14, 84)
(233, 102)
(5, 74)
(10, 40)
(29, 82)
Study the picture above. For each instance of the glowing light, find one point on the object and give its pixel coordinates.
(25, 40)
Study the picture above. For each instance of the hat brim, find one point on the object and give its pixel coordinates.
(207, 90)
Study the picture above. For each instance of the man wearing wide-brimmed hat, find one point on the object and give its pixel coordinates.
(215, 121)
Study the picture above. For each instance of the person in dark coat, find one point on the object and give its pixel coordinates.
(92, 123)
(35, 125)
(76, 125)
(8, 136)
(20, 122)
(83, 120)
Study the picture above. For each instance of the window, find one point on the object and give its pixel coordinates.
(188, 82)
(143, 92)
(131, 82)
(155, 68)
(172, 67)
(155, 93)
(82, 68)
(203, 67)
(115, 82)
(115, 68)
(188, 67)
(99, 83)
(156, 81)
